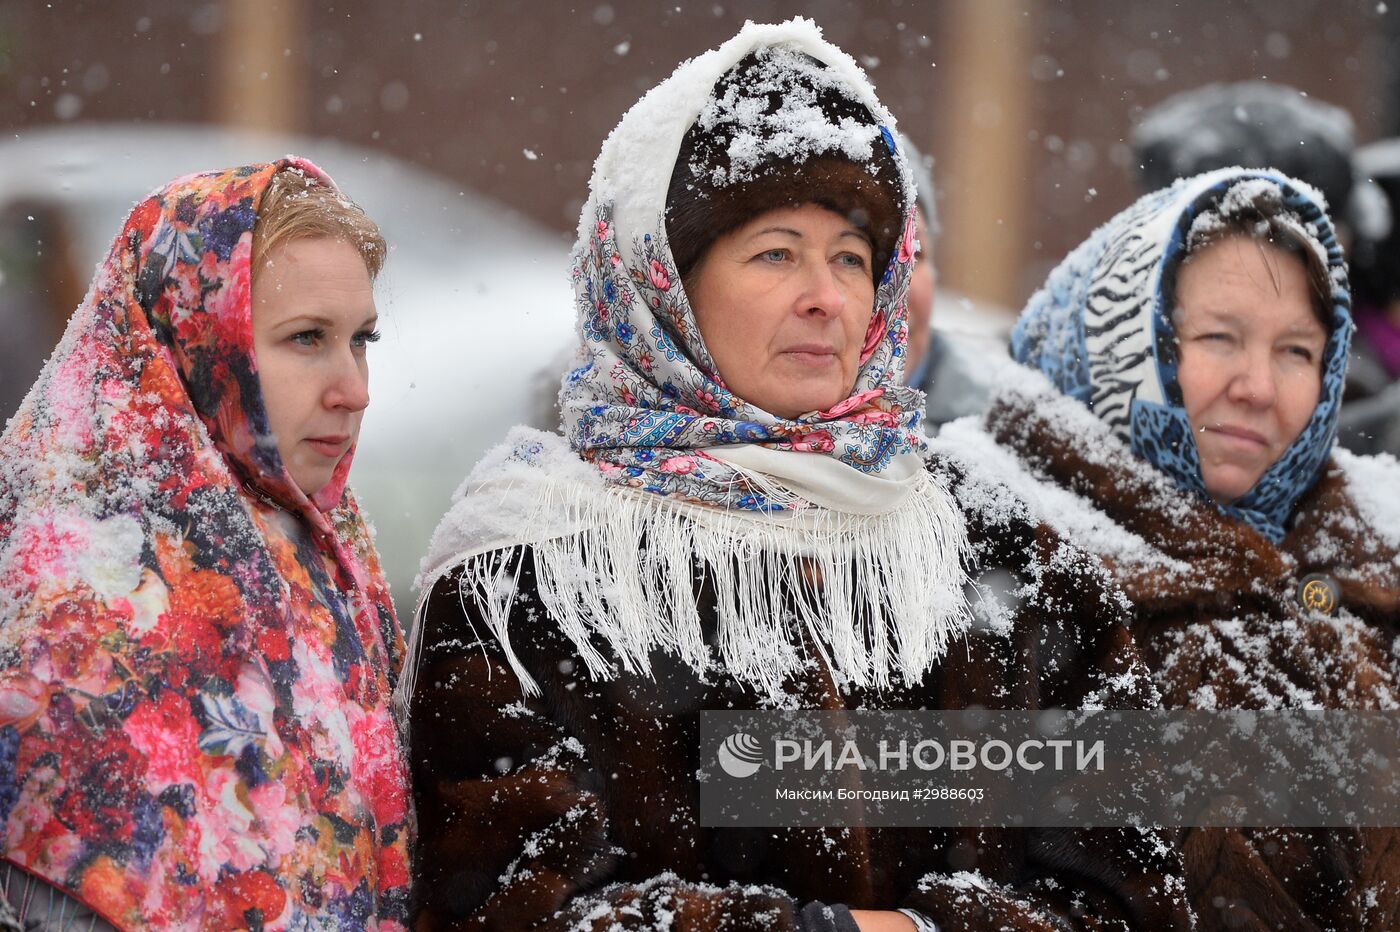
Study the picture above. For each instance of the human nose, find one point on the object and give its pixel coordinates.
(349, 384)
(822, 293)
(1253, 381)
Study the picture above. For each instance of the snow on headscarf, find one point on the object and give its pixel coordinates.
(647, 397)
(1102, 332)
(659, 451)
(195, 728)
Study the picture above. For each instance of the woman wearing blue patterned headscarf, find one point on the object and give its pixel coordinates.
(736, 516)
(1190, 357)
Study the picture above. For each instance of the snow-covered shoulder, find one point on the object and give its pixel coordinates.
(1005, 485)
(496, 505)
(1373, 482)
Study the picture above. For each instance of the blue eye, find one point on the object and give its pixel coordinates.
(773, 255)
(307, 337)
(365, 337)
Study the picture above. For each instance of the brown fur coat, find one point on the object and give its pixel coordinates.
(579, 809)
(1217, 615)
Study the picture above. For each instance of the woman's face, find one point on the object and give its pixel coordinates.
(783, 303)
(313, 314)
(1251, 358)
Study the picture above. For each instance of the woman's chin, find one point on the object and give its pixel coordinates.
(796, 407)
(798, 399)
(1229, 487)
(311, 481)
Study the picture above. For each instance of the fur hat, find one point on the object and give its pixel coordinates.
(756, 147)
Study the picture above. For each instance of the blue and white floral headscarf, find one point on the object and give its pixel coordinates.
(1102, 331)
(656, 450)
(646, 400)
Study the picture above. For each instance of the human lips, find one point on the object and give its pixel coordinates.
(1238, 435)
(812, 354)
(331, 445)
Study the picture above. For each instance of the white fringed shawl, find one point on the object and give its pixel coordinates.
(616, 568)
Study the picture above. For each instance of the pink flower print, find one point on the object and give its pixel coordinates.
(602, 230)
(319, 704)
(62, 851)
(659, 279)
(27, 820)
(850, 404)
(707, 399)
(679, 465)
(907, 248)
(23, 698)
(277, 819)
(615, 259)
(255, 690)
(166, 732)
(224, 820)
(876, 417)
(816, 441)
(873, 335)
(231, 304)
(376, 766)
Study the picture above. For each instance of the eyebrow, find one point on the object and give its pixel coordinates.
(791, 232)
(320, 321)
(1312, 328)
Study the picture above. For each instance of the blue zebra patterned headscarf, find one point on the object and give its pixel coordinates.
(1101, 330)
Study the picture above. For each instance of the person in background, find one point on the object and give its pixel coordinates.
(739, 518)
(197, 647)
(1176, 417)
(1371, 423)
(1256, 124)
(956, 371)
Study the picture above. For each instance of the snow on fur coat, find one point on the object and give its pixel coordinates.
(579, 807)
(1218, 616)
(685, 550)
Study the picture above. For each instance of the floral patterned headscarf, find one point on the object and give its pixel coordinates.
(657, 450)
(647, 400)
(195, 658)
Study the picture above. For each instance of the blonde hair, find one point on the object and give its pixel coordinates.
(297, 206)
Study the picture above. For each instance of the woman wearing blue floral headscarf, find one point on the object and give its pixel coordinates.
(1193, 352)
(737, 517)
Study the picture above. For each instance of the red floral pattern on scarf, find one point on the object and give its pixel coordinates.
(195, 659)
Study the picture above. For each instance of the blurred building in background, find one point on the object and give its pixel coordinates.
(1026, 106)
(499, 107)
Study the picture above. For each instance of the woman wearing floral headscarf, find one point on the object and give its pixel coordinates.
(196, 642)
(1195, 349)
(739, 518)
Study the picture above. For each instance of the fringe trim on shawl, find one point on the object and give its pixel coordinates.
(891, 594)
